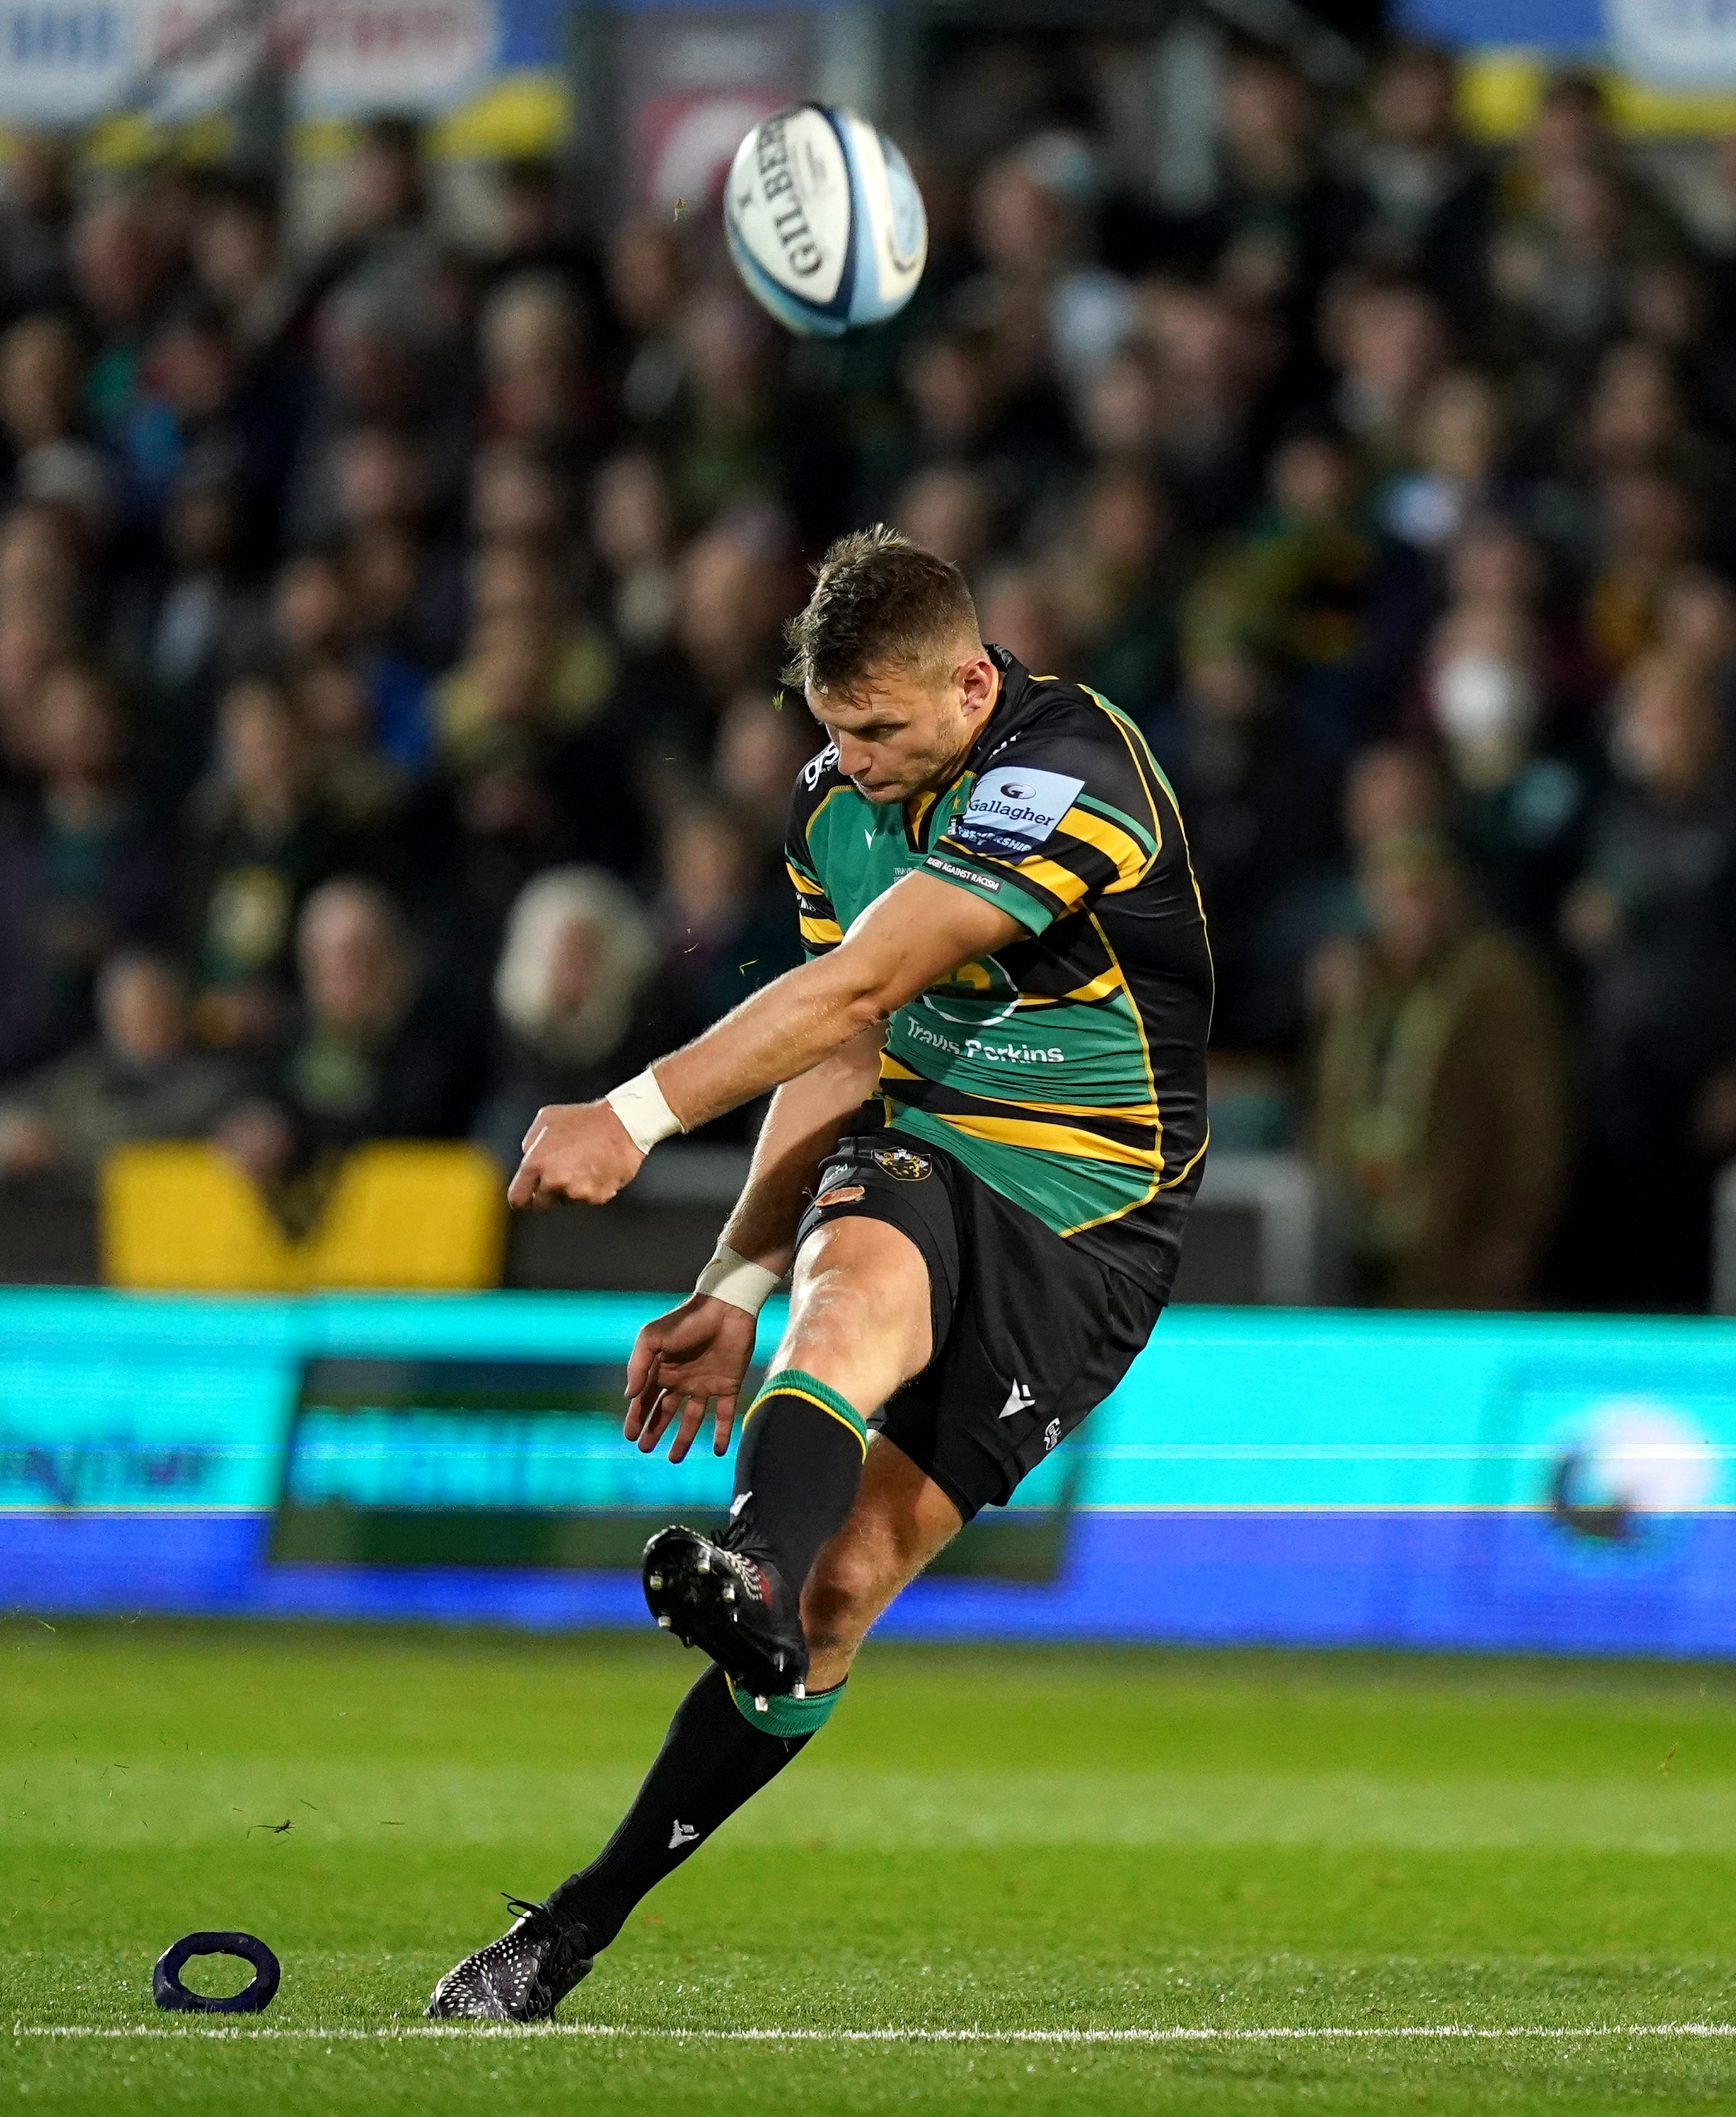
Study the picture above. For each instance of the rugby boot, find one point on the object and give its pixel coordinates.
(523, 1976)
(734, 1605)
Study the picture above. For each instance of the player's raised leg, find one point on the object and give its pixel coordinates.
(858, 1327)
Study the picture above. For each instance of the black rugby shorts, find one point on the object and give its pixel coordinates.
(1029, 1334)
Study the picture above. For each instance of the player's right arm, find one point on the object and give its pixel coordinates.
(698, 1352)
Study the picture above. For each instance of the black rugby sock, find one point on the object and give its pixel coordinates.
(712, 1760)
(797, 1468)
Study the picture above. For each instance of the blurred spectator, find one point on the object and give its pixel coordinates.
(1282, 220)
(1194, 400)
(1440, 1094)
(41, 577)
(950, 509)
(238, 261)
(1519, 782)
(1459, 435)
(1050, 307)
(647, 279)
(533, 231)
(1298, 592)
(119, 274)
(1648, 527)
(572, 1000)
(1651, 921)
(732, 592)
(382, 242)
(29, 649)
(632, 526)
(735, 432)
(538, 386)
(1389, 342)
(83, 867)
(378, 1053)
(1019, 610)
(1428, 193)
(1118, 578)
(437, 531)
(179, 628)
(260, 835)
(36, 215)
(363, 785)
(962, 410)
(762, 742)
(1258, 809)
(519, 494)
(727, 931)
(41, 376)
(140, 1078)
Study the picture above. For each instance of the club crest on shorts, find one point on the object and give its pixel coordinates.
(905, 1162)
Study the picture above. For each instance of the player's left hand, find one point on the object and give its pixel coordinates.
(577, 1151)
(682, 1363)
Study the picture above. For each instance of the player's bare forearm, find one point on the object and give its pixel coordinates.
(801, 1129)
(918, 933)
(692, 1359)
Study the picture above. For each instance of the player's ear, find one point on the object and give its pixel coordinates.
(977, 679)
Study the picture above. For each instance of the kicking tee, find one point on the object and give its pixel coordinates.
(1067, 1070)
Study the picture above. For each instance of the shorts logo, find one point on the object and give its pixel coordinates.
(904, 1162)
(1051, 1434)
(1019, 1399)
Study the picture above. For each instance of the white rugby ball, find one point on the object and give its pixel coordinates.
(825, 222)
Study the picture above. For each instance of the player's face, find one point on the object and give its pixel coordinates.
(901, 733)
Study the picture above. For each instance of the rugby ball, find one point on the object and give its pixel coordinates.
(824, 220)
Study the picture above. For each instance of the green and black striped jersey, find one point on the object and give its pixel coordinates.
(1067, 1070)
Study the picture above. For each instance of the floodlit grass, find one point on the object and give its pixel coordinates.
(983, 1846)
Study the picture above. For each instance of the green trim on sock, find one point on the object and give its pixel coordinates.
(796, 1381)
(787, 1716)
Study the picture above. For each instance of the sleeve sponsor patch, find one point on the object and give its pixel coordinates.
(1013, 810)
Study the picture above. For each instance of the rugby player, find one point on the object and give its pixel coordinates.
(989, 1124)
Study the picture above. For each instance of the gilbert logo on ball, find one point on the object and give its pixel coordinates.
(825, 222)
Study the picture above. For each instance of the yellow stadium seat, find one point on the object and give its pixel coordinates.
(422, 1214)
(413, 1213)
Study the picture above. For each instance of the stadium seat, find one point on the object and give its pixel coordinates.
(428, 1215)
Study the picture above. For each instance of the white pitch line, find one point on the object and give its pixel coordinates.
(604, 2032)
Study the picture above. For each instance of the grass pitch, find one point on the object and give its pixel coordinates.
(987, 1886)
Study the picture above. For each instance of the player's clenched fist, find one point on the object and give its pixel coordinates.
(579, 1150)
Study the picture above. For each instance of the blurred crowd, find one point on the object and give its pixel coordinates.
(390, 733)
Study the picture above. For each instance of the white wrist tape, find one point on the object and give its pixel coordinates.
(640, 1106)
(731, 1278)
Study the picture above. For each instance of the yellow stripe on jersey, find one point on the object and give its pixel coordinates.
(1129, 858)
(821, 933)
(1144, 764)
(1101, 987)
(1060, 882)
(1052, 1139)
(1144, 1114)
(805, 885)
